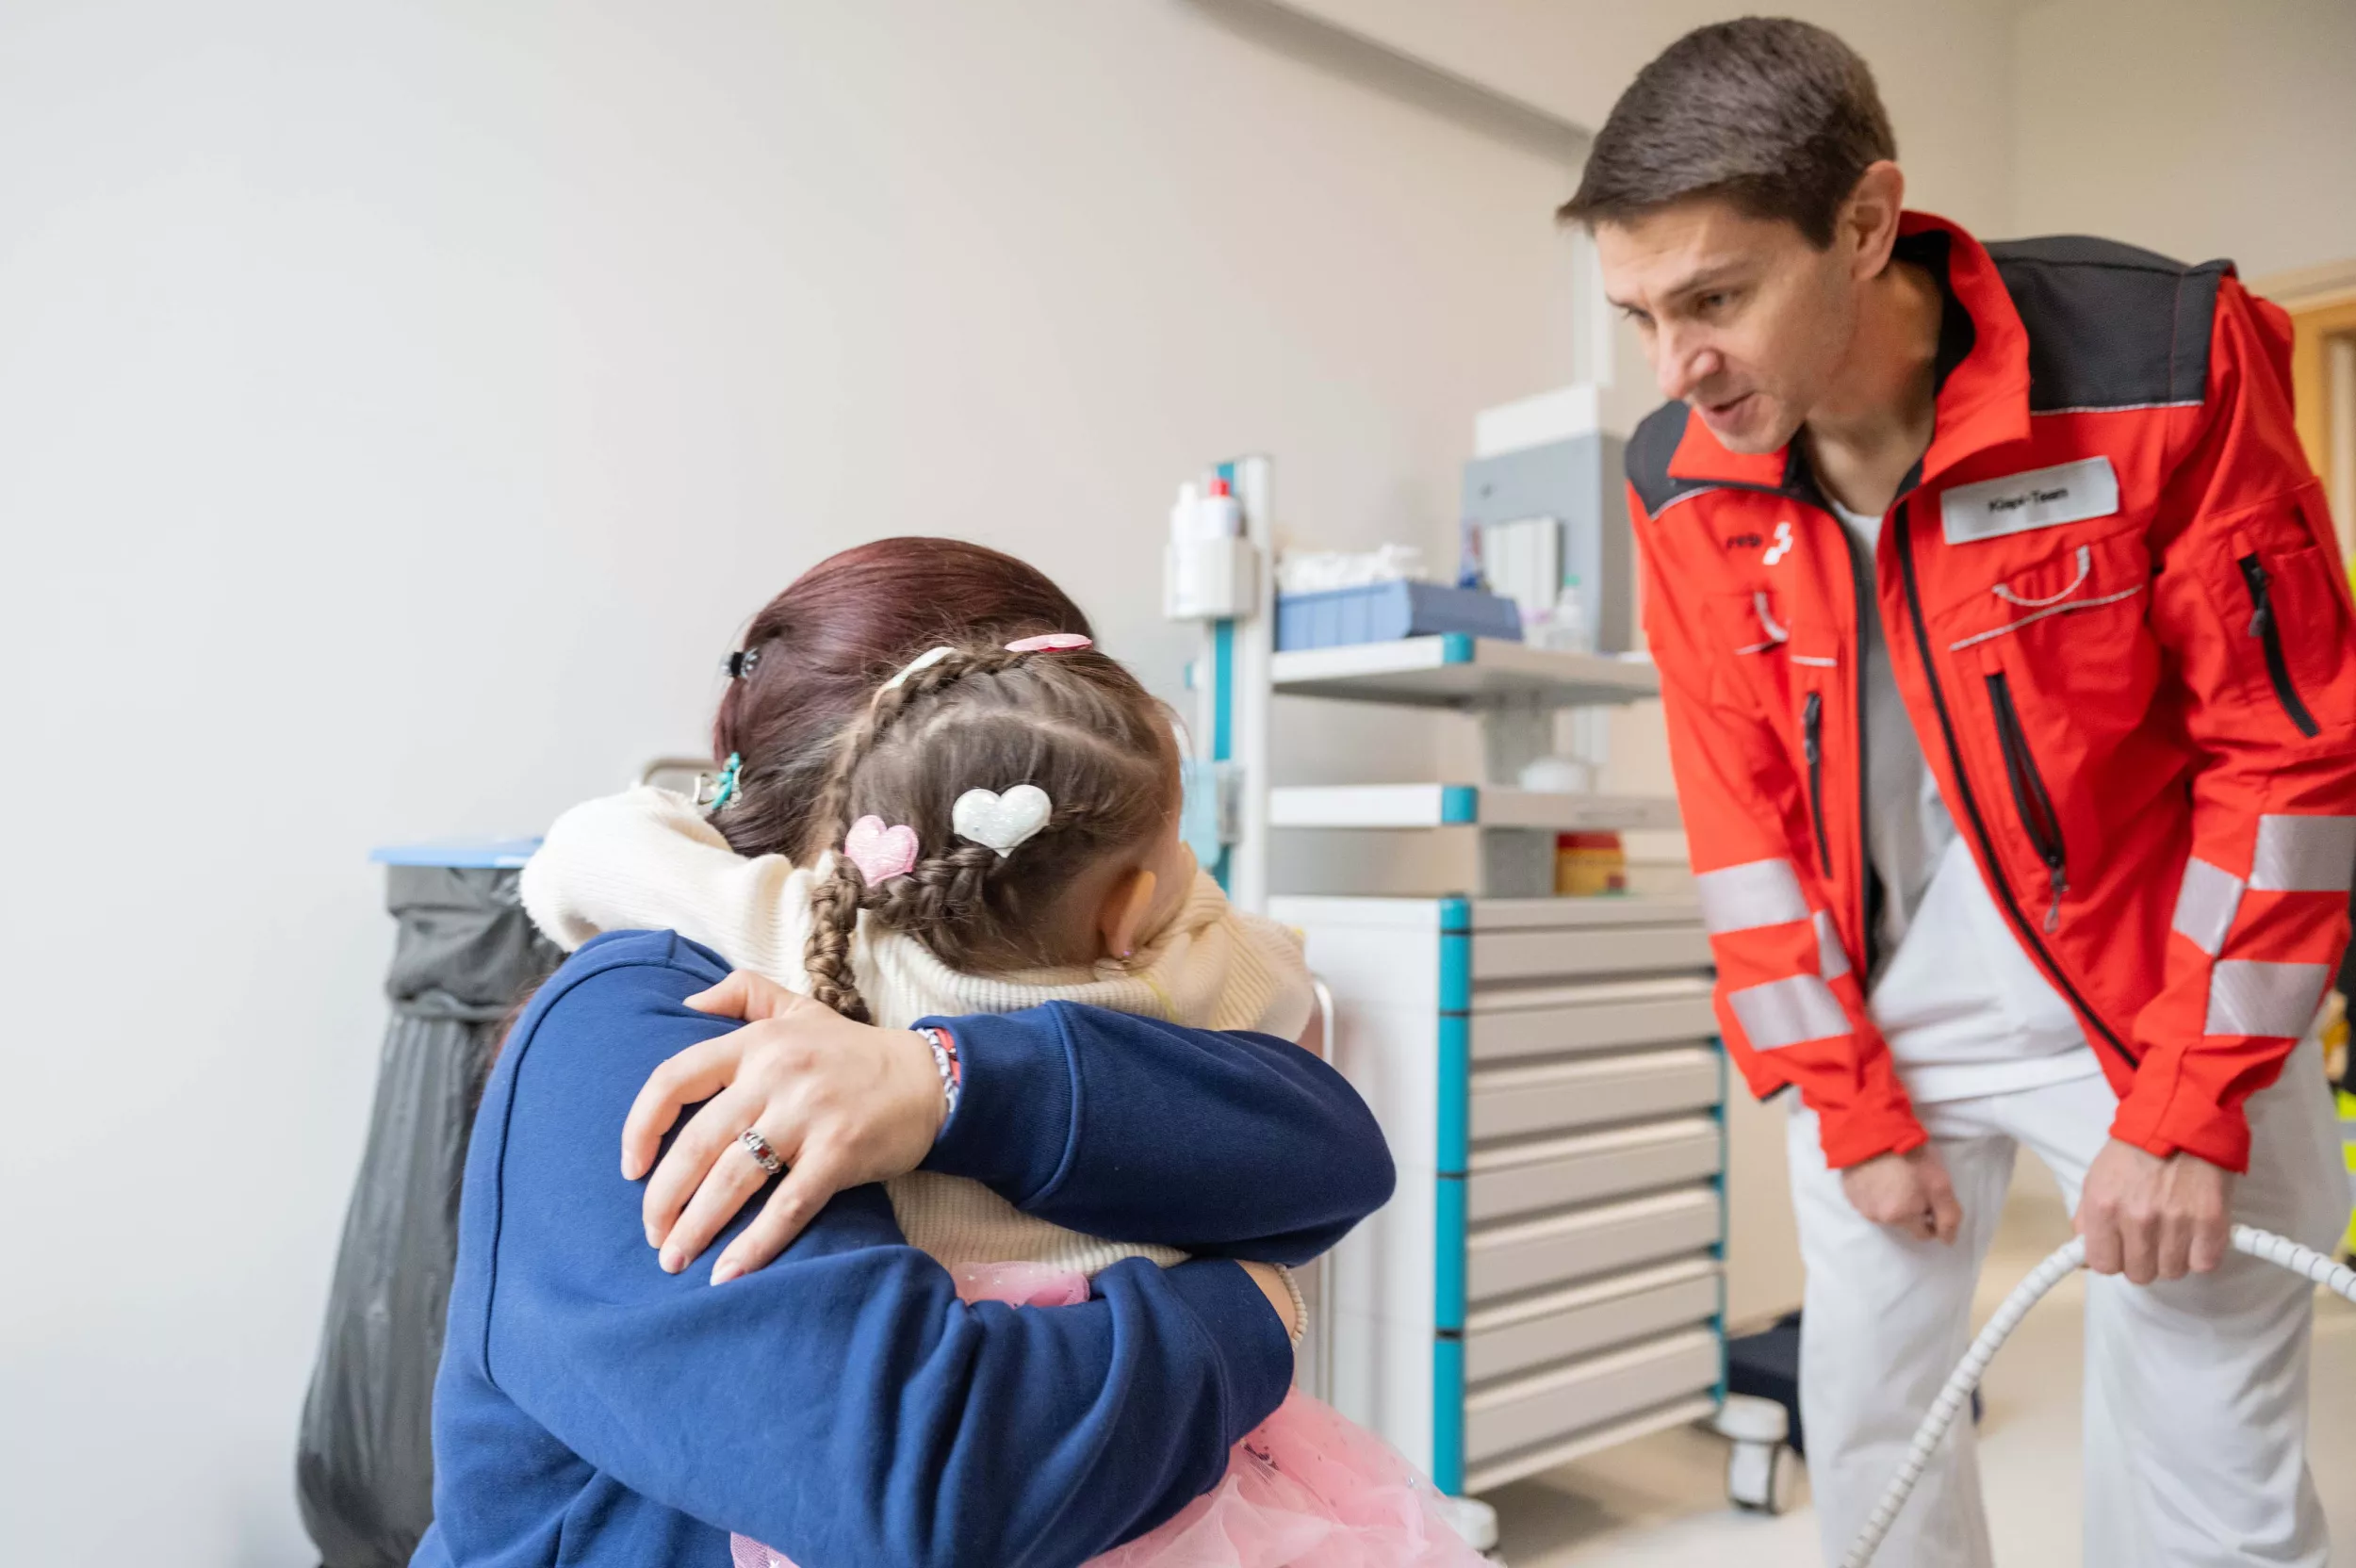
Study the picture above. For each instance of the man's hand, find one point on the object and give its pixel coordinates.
(1909, 1191)
(843, 1103)
(2153, 1218)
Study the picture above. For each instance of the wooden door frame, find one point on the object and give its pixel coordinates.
(2322, 305)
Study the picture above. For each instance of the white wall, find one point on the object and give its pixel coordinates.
(407, 400)
(1944, 68)
(2198, 130)
(406, 403)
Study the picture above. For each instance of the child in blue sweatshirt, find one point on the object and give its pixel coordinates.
(1002, 833)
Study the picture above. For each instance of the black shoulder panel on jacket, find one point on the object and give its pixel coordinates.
(1648, 453)
(2110, 326)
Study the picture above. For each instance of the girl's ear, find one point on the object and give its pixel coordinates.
(1121, 920)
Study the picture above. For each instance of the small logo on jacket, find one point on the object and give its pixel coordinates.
(1781, 547)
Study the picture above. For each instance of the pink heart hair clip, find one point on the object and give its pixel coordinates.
(880, 852)
(1052, 642)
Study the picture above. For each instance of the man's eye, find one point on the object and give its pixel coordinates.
(1714, 302)
(1630, 313)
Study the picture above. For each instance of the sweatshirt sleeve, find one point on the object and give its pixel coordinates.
(1292, 992)
(840, 1405)
(1222, 1145)
(647, 859)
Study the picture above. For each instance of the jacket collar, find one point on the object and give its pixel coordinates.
(1983, 398)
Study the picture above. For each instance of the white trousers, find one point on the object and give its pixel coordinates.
(2196, 1389)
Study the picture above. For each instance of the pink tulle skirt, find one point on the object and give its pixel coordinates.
(1304, 1489)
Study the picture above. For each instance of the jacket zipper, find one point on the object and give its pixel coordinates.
(2029, 796)
(1812, 745)
(2264, 627)
(1971, 802)
(1861, 605)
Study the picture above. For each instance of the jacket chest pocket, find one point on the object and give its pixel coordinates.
(2071, 627)
(2287, 625)
(2053, 667)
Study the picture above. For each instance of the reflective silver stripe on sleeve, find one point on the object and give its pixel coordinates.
(1785, 1012)
(1755, 893)
(2304, 855)
(2251, 997)
(2205, 905)
(1831, 962)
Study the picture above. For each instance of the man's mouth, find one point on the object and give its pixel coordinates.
(1728, 410)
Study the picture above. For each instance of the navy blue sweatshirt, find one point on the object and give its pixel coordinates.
(842, 1404)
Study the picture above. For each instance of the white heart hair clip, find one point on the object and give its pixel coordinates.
(1001, 821)
(923, 661)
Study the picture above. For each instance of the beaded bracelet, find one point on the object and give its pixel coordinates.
(1301, 1307)
(952, 1070)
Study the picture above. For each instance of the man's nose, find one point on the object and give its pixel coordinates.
(1684, 364)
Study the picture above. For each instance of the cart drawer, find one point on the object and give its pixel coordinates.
(1619, 950)
(1587, 1167)
(1558, 1019)
(1556, 1249)
(1513, 1101)
(1582, 1319)
(1530, 1410)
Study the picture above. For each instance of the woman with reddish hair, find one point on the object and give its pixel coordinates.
(597, 1408)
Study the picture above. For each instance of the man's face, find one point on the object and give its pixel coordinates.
(1742, 318)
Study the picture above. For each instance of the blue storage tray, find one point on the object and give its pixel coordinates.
(1385, 612)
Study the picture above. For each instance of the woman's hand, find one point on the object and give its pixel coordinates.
(843, 1103)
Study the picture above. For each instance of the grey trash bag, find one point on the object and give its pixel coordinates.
(364, 1461)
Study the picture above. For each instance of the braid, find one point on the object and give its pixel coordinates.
(834, 905)
(951, 882)
(938, 891)
(831, 813)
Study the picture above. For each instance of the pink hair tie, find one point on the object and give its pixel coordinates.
(1053, 642)
(880, 852)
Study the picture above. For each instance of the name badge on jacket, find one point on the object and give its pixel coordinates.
(2017, 503)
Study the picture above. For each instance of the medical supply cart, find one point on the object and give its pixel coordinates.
(1547, 1280)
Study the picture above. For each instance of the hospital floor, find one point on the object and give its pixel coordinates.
(1662, 1501)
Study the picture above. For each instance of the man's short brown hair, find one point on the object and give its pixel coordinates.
(1779, 117)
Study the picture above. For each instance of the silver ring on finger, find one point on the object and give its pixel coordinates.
(759, 1148)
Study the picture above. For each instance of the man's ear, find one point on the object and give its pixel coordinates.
(1121, 920)
(1869, 219)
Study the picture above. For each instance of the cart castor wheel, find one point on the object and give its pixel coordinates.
(1477, 1522)
(1760, 1469)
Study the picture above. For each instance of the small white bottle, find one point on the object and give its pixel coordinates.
(1565, 626)
(1221, 515)
(1182, 512)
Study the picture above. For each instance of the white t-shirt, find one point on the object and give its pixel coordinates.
(1966, 1012)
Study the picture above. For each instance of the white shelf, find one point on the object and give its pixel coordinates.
(1457, 671)
(1464, 805)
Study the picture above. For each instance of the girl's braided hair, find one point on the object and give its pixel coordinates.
(814, 655)
(1076, 724)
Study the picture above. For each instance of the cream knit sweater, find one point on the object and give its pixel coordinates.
(648, 859)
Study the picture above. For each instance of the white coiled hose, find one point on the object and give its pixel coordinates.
(2278, 1250)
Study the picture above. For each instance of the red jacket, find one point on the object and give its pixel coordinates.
(2114, 613)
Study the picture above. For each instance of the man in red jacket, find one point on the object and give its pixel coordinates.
(2011, 694)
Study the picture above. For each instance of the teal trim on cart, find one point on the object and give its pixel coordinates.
(1447, 1415)
(1718, 1248)
(1447, 1269)
(1459, 803)
(1454, 1145)
(1453, 1142)
(1456, 648)
(1223, 706)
